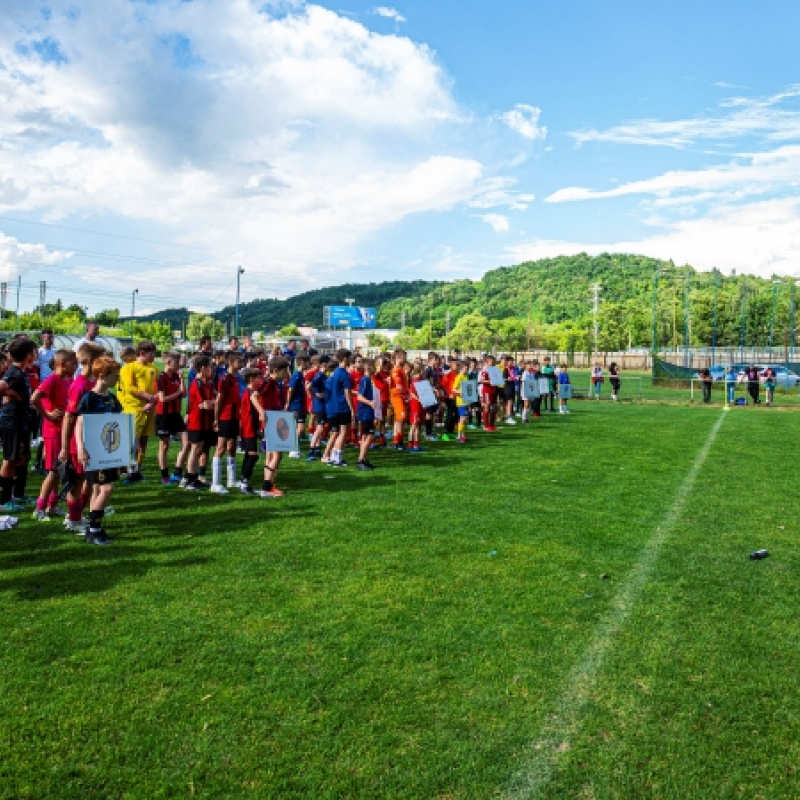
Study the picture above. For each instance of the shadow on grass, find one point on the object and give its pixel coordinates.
(71, 580)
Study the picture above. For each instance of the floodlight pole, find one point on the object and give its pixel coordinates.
(133, 309)
(350, 301)
(239, 273)
(793, 285)
(687, 357)
(772, 319)
(655, 308)
(743, 326)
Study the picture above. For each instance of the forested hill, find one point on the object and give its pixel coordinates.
(306, 309)
(549, 303)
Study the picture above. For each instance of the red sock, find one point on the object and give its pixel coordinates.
(74, 511)
(52, 501)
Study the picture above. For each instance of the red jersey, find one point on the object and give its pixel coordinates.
(446, 382)
(32, 374)
(228, 388)
(272, 395)
(81, 385)
(416, 410)
(169, 383)
(53, 391)
(381, 382)
(487, 390)
(355, 382)
(249, 423)
(308, 377)
(201, 419)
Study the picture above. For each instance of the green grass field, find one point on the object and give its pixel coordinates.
(436, 629)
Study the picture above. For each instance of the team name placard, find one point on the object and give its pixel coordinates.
(109, 439)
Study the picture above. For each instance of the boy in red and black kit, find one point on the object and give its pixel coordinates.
(226, 423)
(251, 423)
(488, 396)
(202, 437)
(169, 420)
(272, 397)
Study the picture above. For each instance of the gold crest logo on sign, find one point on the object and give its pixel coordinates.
(111, 437)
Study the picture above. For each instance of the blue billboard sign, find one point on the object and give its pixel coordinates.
(349, 317)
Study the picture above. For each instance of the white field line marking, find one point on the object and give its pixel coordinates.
(563, 721)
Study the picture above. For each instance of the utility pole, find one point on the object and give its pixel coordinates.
(3, 298)
(42, 297)
(239, 273)
(793, 285)
(447, 331)
(402, 321)
(596, 287)
(19, 287)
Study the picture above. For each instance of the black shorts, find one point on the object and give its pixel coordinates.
(339, 421)
(101, 477)
(250, 445)
(228, 428)
(510, 391)
(16, 444)
(367, 426)
(207, 438)
(169, 424)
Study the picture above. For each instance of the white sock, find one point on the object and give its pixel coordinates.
(231, 469)
(216, 471)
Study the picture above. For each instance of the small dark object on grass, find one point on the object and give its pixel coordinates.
(757, 555)
(605, 576)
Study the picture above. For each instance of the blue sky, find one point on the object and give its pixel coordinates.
(158, 145)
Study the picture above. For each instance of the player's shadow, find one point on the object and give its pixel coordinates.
(71, 579)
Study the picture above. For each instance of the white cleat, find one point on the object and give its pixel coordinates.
(218, 488)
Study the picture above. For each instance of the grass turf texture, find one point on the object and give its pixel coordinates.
(407, 633)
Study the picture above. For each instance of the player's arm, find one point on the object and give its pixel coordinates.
(218, 406)
(256, 401)
(7, 391)
(83, 455)
(36, 401)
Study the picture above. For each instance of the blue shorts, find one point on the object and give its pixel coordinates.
(463, 411)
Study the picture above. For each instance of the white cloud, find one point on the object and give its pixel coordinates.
(524, 119)
(498, 222)
(771, 117)
(750, 174)
(390, 13)
(760, 238)
(283, 140)
(17, 258)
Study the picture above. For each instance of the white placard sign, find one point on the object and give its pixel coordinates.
(565, 391)
(109, 439)
(544, 386)
(495, 376)
(469, 392)
(280, 432)
(377, 403)
(425, 393)
(530, 386)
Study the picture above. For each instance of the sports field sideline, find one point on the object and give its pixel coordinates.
(563, 609)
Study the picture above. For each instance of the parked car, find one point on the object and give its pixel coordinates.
(784, 377)
(717, 373)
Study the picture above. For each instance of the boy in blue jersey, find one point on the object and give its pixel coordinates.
(339, 408)
(317, 388)
(366, 413)
(296, 397)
